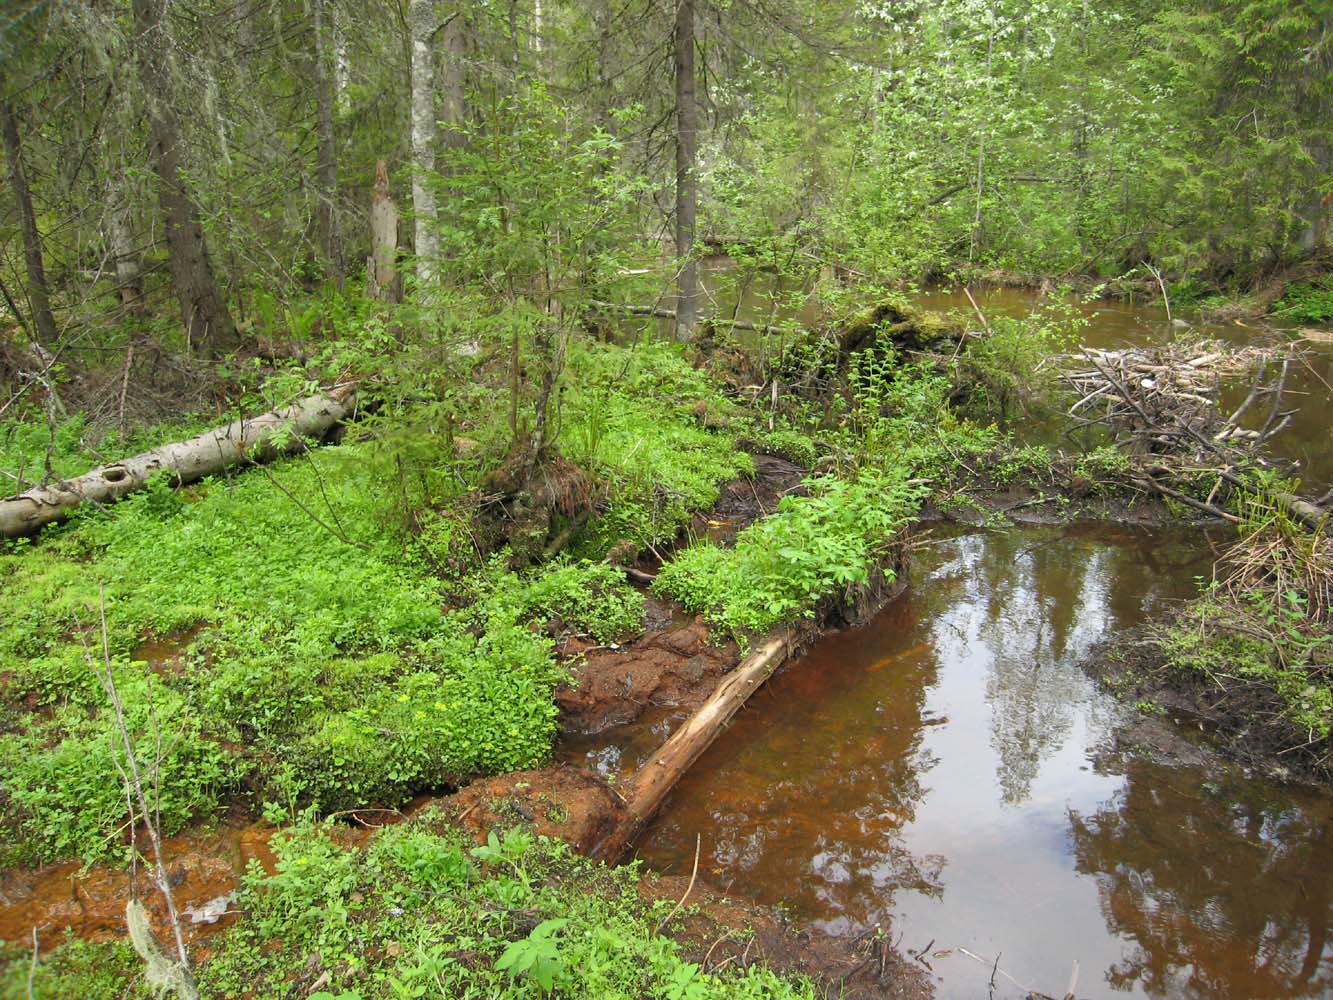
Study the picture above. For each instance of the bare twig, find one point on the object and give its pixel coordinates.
(698, 843)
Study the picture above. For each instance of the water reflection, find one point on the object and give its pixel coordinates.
(1223, 890)
(937, 768)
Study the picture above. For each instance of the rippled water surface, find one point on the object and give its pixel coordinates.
(946, 769)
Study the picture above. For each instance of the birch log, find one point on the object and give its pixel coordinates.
(651, 784)
(257, 439)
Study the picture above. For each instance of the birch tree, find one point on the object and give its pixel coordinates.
(426, 242)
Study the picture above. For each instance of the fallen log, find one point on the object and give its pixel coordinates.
(645, 791)
(256, 439)
(657, 312)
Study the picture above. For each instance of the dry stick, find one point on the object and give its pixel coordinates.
(1162, 285)
(985, 324)
(125, 386)
(698, 842)
(154, 836)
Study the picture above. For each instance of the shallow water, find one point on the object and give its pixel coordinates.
(948, 768)
(1114, 323)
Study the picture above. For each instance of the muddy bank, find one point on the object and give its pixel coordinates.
(1135, 670)
(205, 868)
(719, 931)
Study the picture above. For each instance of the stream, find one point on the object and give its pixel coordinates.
(949, 771)
(949, 775)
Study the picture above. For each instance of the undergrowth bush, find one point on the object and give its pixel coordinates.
(1306, 302)
(1260, 630)
(655, 431)
(306, 638)
(782, 565)
(421, 911)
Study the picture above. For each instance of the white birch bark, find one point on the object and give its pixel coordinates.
(426, 240)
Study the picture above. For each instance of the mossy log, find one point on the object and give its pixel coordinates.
(902, 327)
(254, 439)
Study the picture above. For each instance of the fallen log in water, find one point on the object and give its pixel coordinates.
(649, 787)
(256, 439)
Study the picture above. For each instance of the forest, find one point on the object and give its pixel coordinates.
(545, 499)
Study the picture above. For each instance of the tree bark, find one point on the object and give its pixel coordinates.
(381, 268)
(38, 297)
(259, 439)
(687, 180)
(651, 783)
(452, 84)
(120, 237)
(208, 323)
(326, 155)
(426, 241)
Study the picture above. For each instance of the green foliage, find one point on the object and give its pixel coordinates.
(537, 956)
(783, 565)
(1259, 630)
(66, 794)
(588, 598)
(411, 916)
(792, 445)
(642, 421)
(1008, 372)
(1306, 303)
(77, 968)
(320, 649)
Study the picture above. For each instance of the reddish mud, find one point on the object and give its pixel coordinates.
(571, 803)
(204, 868)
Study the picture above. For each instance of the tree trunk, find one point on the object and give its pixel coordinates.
(651, 783)
(38, 297)
(426, 241)
(259, 439)
(452, 84)
(208, 323)
(687, 180)
(120, 237)
(381, 267)
(326, 155)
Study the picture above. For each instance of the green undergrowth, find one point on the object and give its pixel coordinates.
(781, 566)
(1306, 302)
(1259, 637)
(420, 912)
(895, 434)
(71, 446)
(323, 631)
(656, 432)
(305, 654)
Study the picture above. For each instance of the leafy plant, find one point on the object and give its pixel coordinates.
(537, 956)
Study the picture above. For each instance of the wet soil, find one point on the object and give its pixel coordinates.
(204, 868)
(1244, 722)
(574, 804)
(674, 665)
(719, 931)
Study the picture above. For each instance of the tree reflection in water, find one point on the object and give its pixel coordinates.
(1224, 893)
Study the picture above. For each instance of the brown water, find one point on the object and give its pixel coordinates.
(947, 768)
(1101, 323)
(1115, 323)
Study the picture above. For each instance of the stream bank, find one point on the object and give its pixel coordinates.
(950, 765)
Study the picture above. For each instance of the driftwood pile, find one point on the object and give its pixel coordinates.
(1165, 402)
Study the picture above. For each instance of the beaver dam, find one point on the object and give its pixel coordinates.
(950, 772)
